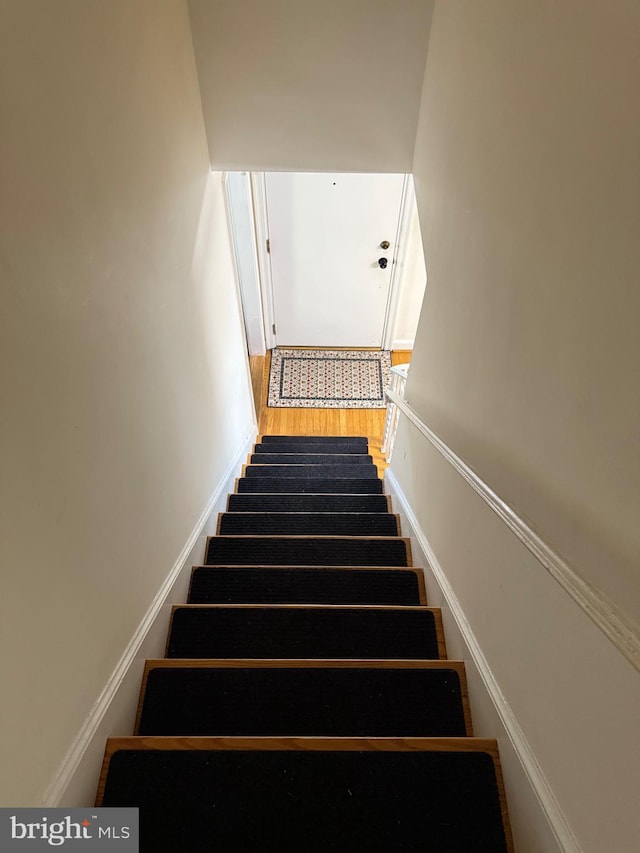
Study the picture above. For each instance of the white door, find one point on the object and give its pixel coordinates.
(330, 274)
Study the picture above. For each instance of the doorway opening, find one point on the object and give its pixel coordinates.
(325, 261)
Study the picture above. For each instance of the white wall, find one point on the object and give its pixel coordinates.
(307, 86)
(124, 381)
(526, 361)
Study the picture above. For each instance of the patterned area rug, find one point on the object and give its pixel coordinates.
(328, 379)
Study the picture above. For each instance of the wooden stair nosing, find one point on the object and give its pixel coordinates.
(305, 663)
(316, 744)
(436, 611)
(419, 572)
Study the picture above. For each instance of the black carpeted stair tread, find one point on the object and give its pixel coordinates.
(364, 471)
(316, 795)
(344, 448)
(311, 459)
(308, 551)
(306, 585)
(313, 485)
(307, 503)
(357, 441)
(301, 631)
(199, 698)
(319, 523)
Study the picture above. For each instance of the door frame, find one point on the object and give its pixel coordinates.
(261, 219)
(245, 258)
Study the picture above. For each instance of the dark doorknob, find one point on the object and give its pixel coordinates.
(383, 263)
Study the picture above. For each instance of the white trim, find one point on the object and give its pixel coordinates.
(401, 344)
(253, 331)
(401, 370)
(614, 624)
(397, 264)
(261, 221)
(89, 730)
(243, 329)
(399, 284)
(538, 781)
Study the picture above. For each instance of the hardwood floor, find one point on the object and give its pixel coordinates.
(369, 422)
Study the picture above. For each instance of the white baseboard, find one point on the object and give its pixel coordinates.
(402, 344)
(536, 779)
(114, 711)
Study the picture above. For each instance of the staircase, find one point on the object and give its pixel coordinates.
(306, 702)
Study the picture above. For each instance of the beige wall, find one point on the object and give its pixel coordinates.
(124, 385)
(527, 174)
(526, 362)
(308, 86)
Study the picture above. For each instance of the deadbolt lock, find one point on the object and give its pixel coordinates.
(385, 244)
